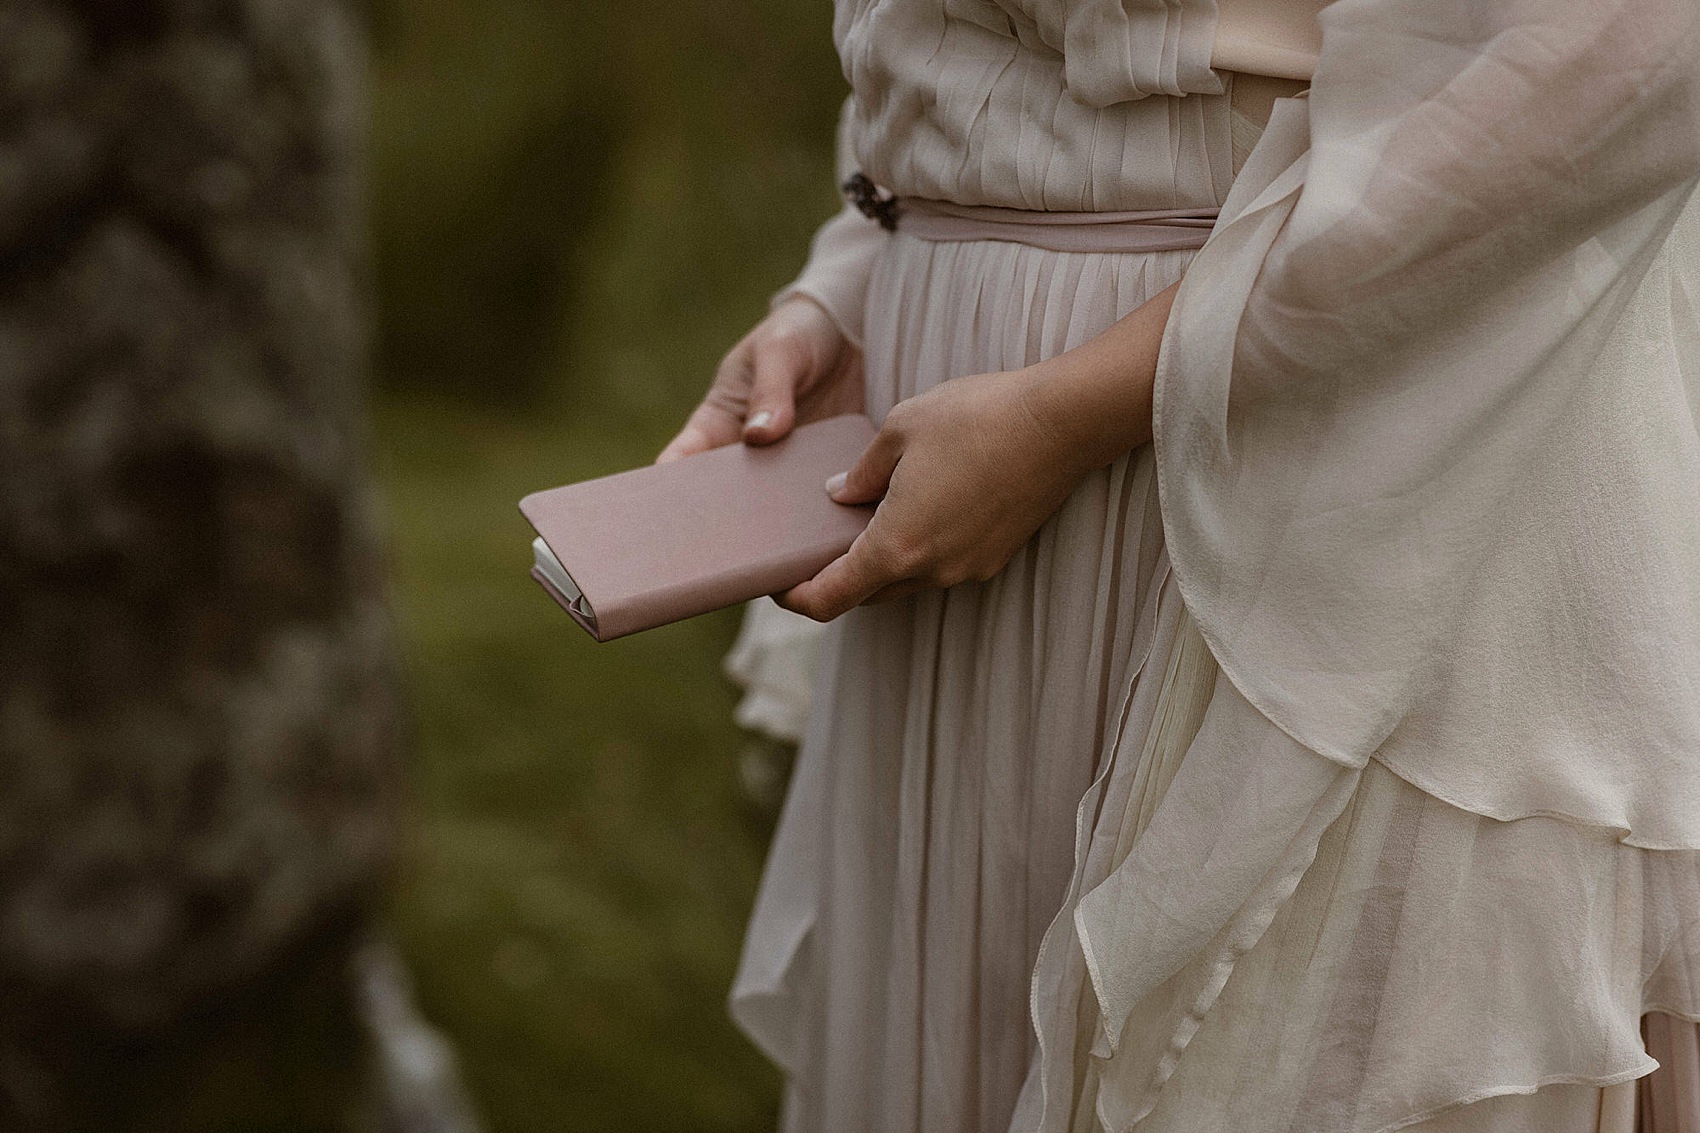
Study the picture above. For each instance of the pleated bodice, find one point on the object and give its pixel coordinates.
(1056, 106)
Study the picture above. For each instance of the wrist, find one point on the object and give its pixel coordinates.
(1098, 396)
(1090, 418)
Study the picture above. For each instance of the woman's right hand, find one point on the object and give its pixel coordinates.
(796, 366)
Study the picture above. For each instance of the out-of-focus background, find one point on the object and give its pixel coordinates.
(297, 298)
(579, 206)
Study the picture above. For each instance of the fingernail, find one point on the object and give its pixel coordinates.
(835, 484)
(760, 421)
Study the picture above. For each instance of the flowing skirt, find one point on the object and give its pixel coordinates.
(1041, 868)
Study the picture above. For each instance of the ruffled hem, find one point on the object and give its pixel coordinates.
(774, 661)
(1345, 950)
(1621, 828)
(1521, 1090)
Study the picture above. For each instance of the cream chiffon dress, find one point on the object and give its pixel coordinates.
(1046, 864)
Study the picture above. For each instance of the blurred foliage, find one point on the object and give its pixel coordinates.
(577, 208)
(549, 169)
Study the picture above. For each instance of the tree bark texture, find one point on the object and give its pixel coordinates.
(198, 725)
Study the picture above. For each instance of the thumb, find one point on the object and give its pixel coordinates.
(710, 426)
(781, 364)
(871, 476)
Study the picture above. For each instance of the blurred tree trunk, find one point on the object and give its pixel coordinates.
(197, 720)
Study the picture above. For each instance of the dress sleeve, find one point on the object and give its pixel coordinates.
(1427, 395)
(842, 254)
(1459, 148)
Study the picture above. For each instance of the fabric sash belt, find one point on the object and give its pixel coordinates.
(1159, 231)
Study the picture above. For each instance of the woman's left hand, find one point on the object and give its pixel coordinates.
(968, 471)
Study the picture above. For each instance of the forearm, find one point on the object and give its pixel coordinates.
(1096, 399)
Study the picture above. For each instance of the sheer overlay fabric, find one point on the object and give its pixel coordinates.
(1427, 415)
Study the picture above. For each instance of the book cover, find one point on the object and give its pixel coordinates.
(657, 544)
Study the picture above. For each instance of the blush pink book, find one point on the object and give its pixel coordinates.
(639, 549)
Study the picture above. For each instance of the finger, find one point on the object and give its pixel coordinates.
(871, 476)
(845, 582)
(895, 591)
(710, 426)
(781, 363)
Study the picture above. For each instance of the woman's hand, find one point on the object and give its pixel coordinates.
(796, 366)
(967, 471)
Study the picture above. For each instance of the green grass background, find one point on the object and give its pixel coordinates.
(576, 208)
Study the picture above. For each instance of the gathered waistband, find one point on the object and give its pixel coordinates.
(1172, 230)
(1164, 230)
